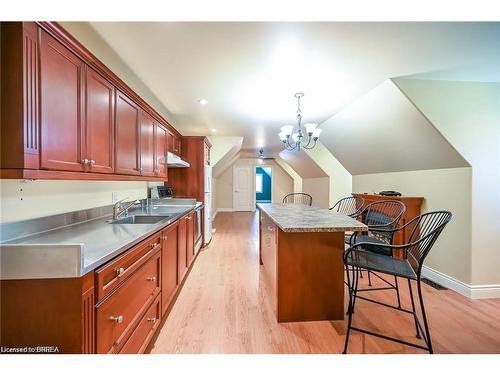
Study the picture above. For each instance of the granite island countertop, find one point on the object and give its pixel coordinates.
(302, 218)
(95, 241)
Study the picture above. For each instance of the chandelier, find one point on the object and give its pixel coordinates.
(300, 139)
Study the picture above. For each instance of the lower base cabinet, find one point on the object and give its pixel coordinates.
(118, 308)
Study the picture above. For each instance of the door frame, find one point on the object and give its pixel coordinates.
(263, 165)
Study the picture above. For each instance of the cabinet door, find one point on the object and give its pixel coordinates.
(161, 151)
(147, 145)
(99, 122)
(177, 146)
(182, 241)
(61, 77)
(190, 239)
(127, 135)
(169, 280)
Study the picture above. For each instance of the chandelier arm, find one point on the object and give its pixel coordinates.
(314, 145)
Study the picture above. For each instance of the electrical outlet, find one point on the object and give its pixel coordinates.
(114, 196)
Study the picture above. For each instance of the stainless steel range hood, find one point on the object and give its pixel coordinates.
(174, 161)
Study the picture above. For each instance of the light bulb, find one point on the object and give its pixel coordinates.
(287, 130)
(282, 136)
(316, 133)
(295, 136)
(310, 127)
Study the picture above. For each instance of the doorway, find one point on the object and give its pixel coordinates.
(263, 184)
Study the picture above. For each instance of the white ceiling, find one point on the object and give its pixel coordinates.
(249, 71)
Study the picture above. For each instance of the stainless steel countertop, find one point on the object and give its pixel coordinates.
(302, 218)
(99, 240)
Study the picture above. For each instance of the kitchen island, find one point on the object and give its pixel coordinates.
(301, 251)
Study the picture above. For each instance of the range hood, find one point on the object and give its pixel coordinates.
(174, 161)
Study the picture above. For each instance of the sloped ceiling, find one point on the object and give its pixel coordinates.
(382, 131)
(303, 164)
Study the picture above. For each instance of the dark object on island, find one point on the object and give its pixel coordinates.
(390, 193)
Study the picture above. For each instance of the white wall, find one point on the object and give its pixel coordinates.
(23, 199)
(282, 183)
(318, 188)
(468, 115)
(443, 189)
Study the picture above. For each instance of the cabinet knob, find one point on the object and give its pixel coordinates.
(92, 161)
(164, 238)
(85, 161)
(151, 278)
(116, 319)
(120, 271)
(152, 320)
(154, 245)
(270, 228)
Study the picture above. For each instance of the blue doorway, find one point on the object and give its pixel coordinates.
(263, 182)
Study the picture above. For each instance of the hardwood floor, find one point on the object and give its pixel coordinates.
(224, 308)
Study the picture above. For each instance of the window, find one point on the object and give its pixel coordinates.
(258, 182)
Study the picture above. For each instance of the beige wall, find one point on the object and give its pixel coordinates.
(340, 180)
(23, 199)
(282, 183)
(468, 115)
(443, 189)
(318, 189)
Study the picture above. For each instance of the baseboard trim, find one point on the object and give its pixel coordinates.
(467, 290)
(224, 210)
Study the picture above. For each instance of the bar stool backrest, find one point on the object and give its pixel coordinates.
(298, 198)
(351, 206)
(384, 215)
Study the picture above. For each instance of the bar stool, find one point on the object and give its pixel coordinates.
(298, 198)
(350, 206)
(426, 229)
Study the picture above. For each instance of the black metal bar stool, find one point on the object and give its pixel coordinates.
(298, 198)
(382, 218)
(426, 229)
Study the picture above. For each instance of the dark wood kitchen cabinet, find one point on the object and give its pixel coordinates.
(99, 123)
(127, 135)
(161, 150)
(190, 238)
(69, 117)
(147, 150)
(169, 255)
(61, 77)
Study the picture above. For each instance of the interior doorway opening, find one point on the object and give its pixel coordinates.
(263, 184)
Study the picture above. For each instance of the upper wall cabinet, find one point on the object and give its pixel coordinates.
(61, 77)
(99, 123)
(161, 151)
(127, 135)
(67, 116)
(147, 145)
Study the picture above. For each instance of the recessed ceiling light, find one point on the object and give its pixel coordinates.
(203, 101)
(214, 130)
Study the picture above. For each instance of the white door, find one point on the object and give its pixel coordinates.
(243, 189)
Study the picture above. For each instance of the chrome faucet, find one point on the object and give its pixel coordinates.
(118, 210)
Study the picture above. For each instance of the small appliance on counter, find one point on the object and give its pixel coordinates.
(390, 193)
(162, 192)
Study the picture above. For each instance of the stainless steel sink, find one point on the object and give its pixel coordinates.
(140, 219)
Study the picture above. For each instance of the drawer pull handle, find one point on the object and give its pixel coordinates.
(152, 320)
(120, 271)
(154, 245)
(116, 319)
(164, 238)
(151, 278)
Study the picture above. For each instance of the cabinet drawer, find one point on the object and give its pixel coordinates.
(113, 274)
(139, 339)
(118, 314)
